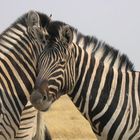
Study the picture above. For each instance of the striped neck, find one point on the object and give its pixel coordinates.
(102, 79)
(18, 55)
(16, 38)
(93, 59)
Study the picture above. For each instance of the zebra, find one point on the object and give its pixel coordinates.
(19, 52)
(99, 80)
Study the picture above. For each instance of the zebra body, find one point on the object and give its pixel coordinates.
(100, 81)
(109, 100)
(19, 52)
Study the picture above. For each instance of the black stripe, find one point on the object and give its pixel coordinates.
(25, 128)
(128, 105)
(24, 136)
(28, 107)
(139, 87)
(134, 113)
(28, 118)
(79, 37)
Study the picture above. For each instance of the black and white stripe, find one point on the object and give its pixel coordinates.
(100, 81)
(19, 52)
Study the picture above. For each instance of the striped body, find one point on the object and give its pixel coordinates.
(99, 80)
(109, 98)
(18, 57)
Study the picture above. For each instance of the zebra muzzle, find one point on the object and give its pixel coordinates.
(40, 100)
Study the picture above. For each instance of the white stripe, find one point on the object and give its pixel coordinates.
(74, 37)
(81, 42)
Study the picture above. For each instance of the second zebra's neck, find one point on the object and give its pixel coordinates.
(93, 77)
(85, 65)
(101, 89)
(19, 54)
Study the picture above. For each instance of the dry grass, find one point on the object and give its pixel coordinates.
(66, 123)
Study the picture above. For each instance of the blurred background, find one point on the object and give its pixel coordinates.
(115, 21)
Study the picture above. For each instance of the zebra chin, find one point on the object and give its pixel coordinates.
(40, 101)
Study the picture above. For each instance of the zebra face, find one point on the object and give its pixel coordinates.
(56, 69)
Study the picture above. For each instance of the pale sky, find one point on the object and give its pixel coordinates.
(117, 22)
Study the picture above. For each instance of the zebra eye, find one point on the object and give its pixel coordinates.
(62, 62)
(46, 36)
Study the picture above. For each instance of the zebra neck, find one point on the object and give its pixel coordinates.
(17, 40)
(84, 66)
(18, 55)
(96, 83)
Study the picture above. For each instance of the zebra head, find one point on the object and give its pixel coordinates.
(56, 67)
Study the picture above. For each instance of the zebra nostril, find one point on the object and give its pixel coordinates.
(43, 41)
(44, 97)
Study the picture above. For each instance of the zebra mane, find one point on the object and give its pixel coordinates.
(98, 49)
(111, 56)
(107, 53)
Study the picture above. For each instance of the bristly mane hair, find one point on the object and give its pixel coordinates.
(97, 47)
(44, 21)
(118, 60)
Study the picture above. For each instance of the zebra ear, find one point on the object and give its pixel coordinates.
(67, 34)
(33, 19)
